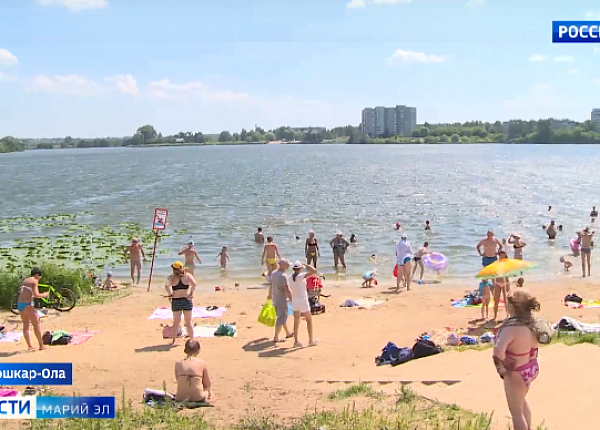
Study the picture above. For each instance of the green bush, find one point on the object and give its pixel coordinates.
(77, 280)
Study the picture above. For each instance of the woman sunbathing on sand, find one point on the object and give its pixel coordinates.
(515, 354)
(180, 287)
(193, 381)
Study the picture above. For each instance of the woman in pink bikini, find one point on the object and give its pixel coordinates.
(516, 351)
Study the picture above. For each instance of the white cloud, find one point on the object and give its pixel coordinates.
(355, 4)
(573, 72)
(563, 59)
(401, 56)
(227, 96)
(4, 77)
(7, 58)
(63, 84)
(126, 84)
(538, 57)
(76, 5)
(592, 16)
(541, 99)
(166, 89)
(472, 3)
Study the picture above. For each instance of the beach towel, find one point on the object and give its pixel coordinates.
(209, 331)
(464, 303)
(12, 336)
(362, 303)
(154, 398)
(165, 313)
(585, 304)
(8, 392)
(78, 337)
(576, 325)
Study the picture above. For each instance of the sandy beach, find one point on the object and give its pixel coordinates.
(250, 373)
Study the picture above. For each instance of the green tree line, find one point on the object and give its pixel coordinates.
(11, 144)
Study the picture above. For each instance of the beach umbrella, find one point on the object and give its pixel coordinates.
(504, 268)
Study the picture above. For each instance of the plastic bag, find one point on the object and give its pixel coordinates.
(267, 315)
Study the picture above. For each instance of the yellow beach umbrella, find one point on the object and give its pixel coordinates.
(504, 268)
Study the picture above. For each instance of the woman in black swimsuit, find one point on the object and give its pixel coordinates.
(311, 248)
(180, 287)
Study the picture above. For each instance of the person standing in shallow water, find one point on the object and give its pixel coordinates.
(551, 230)
(586, 238)
(190, 256)
(311, 249)
(339, 245)
(491, 245)
(259, 238)
(270, 255)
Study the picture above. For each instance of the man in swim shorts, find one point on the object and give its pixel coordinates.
(280, 293)
(270, 256)
(491, 246)
(585, 238)
(135, 252)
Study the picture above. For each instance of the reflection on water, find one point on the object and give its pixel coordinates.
(219, 196)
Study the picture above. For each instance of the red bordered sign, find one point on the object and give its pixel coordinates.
(160, 219)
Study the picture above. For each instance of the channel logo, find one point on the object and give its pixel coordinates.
(31, 407)
(575, 31)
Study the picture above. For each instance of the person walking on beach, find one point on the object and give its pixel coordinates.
(418, 259)
(279, 294)
(300, 303)
(518, 245)
(339, 245)
(180, 288)
(270, 256)
(136, 255)
(259, 238)
(594, 214)
(586, 239)
(27, 293)
(516, 354)
(190, 256)
(311, 249)
(404, 254)
(491, 245)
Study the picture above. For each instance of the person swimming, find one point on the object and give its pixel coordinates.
(427, 226)
(398, 226)
(353, 239)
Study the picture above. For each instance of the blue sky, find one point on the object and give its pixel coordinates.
(104, 67)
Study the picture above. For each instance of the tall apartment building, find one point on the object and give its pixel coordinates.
(384, 121)
(596, 116)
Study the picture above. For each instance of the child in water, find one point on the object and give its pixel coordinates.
(369, 277)
(224, 257)
(353, 239)
(566, 263)
(485, 292)
(427, 226)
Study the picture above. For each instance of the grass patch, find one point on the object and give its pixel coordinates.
(412, 412)
(355, 391)
(570, 338)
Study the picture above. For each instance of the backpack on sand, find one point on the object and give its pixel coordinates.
(425, 348)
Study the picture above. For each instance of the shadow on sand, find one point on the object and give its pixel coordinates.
(156, 348)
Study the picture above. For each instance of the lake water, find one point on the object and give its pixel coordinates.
(220, 195)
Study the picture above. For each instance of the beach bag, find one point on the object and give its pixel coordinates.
(225, 330)
(452, 339)
(389, 352)
(425, 348)
(168, 332)
(468, 340)
(474, 298)
(404, 355)
(268, 315)
(573, 298)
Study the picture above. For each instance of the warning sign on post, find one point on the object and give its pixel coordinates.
(160, 219)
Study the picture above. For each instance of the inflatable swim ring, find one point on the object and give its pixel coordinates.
(435, 261)
(575, 246)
